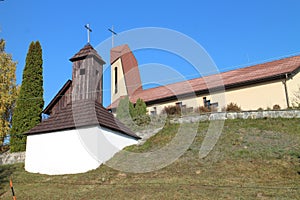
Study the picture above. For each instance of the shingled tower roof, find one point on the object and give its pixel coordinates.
(87, 50)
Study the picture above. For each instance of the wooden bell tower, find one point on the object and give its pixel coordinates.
(87, 75)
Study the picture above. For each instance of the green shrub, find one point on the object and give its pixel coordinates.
(142, 120)
(139, 113)
(128, 113)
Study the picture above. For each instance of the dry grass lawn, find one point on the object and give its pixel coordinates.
(253, 159)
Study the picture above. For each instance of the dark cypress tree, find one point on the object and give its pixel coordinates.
(30, 103)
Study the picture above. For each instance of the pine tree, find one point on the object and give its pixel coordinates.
(8, 92)
(132, 110)
(140, 113)
(140, 108)
(30, 103)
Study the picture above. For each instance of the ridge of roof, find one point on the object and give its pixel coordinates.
(80, 114)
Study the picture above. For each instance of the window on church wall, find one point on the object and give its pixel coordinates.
(116, 80)
(204, 102)
(210, 105)
(154, 111)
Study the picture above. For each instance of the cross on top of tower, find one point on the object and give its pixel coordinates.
(87, 26)
(113, 33)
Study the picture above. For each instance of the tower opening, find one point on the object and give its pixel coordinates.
(116, 80)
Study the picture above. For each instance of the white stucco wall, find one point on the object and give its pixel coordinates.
(73, 151)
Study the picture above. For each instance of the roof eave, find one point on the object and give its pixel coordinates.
(73, 127)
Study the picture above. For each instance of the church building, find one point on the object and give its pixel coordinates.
(80, 133)
(259, 86)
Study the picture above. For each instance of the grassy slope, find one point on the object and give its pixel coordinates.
(253, 159)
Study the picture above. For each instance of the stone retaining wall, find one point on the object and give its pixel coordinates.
(12, 158)
(239, 115)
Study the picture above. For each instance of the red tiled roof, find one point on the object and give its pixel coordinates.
(248, 75)
(80, 114)
(118, 51)
(87, 50)
(130, 67)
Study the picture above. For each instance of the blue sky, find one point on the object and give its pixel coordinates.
(234, 33)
